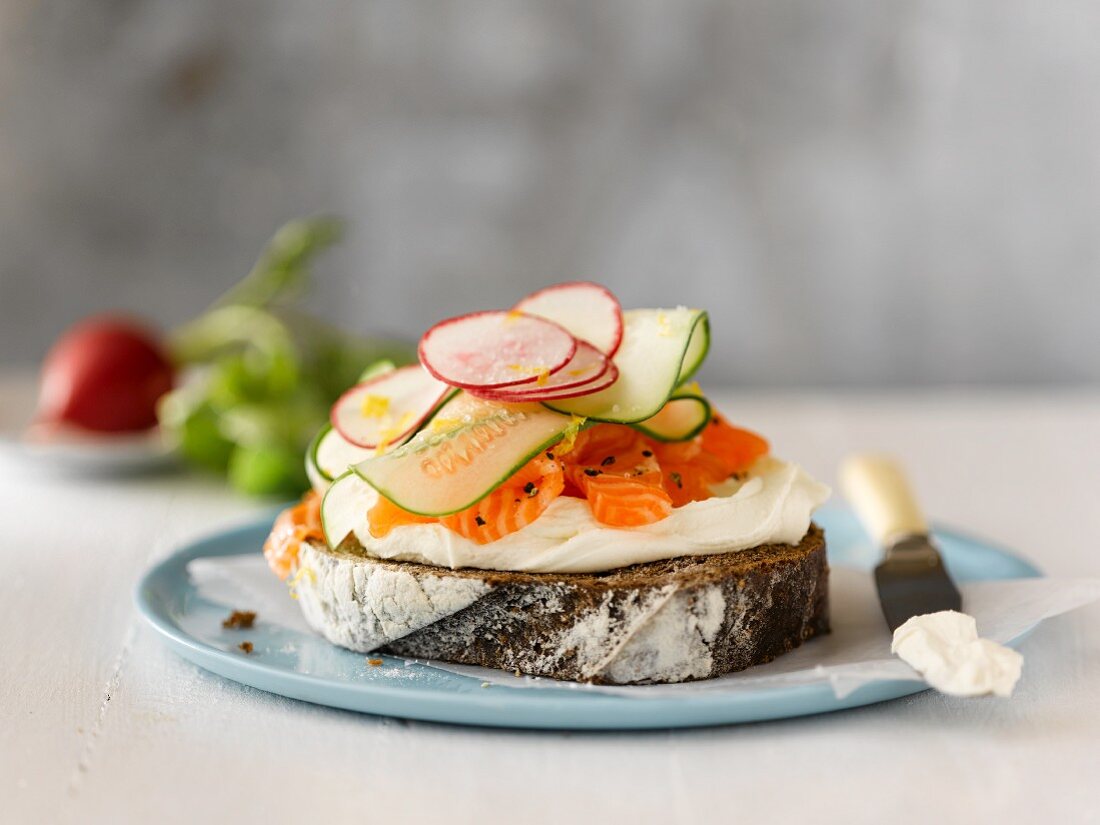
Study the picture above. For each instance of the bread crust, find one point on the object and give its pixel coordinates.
(681, 619)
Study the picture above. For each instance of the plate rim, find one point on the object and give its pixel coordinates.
(562, 708)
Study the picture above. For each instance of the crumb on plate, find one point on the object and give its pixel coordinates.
(239, 620)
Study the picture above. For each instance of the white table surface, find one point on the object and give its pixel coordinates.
(99, 722)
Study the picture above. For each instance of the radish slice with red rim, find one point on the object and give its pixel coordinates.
(589, 311)
(498, 348)
(586, 365)
(525, 393)
(386, 409)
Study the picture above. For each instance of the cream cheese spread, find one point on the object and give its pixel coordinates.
(772, 504)
(946, 650)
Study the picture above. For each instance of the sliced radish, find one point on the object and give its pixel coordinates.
(587, 310)
(498, 348)
(386, 409)
(596, 384)
(586, 366)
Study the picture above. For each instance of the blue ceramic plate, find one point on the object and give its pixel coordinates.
(304, 666)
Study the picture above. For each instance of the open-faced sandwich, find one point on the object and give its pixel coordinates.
(549, 492)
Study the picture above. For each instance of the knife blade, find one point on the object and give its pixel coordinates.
(911, 579)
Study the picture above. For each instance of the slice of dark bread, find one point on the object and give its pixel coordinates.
(692, 617)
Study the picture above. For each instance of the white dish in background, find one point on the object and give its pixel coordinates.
(69, 450)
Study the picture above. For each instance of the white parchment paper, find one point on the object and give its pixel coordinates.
(855, 653)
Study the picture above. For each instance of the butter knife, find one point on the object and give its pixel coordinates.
(911, 578)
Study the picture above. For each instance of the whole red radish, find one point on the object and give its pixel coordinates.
(105, 374)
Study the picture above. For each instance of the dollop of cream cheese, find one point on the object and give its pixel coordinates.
(946, 650)
(772, 505)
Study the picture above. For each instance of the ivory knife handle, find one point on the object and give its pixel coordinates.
(877, 488)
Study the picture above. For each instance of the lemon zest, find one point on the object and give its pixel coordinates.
(374, 406)
(569, 439)
(526, 370)
(439, 424)
(389, 434)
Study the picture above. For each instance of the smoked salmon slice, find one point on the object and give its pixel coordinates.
(737, 448)
(691, 481)
(385, 515)
(296, 524)
(513, 506)
(615, 468)
(620, 501)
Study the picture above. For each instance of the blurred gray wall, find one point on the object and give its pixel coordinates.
(860, 192)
